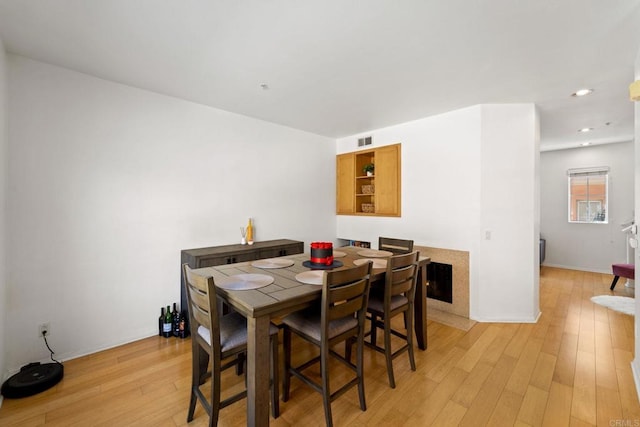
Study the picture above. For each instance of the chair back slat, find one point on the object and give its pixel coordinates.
(402, 279)
(345, 293)
(201, 302)
(347, 308)
(201, 317)
(195, 280)
(401, 275)
(397, 246)
(199, 299)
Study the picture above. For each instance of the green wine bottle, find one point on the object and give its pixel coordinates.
(160, 321)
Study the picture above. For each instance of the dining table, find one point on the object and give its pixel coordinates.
(265, 290)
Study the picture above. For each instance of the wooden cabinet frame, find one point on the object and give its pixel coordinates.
(381, 197)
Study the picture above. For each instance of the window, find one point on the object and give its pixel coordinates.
(588, 195)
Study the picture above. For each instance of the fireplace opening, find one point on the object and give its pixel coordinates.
(440, 277)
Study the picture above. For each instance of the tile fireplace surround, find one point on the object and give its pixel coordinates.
(460, 262)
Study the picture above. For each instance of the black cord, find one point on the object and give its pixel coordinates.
(52, 353)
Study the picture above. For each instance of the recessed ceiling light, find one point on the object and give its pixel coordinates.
(584, 144)
(582, 92)
(585, 130)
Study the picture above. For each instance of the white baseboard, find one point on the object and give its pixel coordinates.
(63, 357)
(572, 267)
(507, 320)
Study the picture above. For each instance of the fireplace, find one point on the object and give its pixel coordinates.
(458, 277)
(440, 277)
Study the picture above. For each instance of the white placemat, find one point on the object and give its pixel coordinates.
(377, 262)
(339, 254)
(244, 282)
(374, 253)
(313, 277)
(273, 263)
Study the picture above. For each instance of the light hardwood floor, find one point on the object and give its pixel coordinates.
(570, 368)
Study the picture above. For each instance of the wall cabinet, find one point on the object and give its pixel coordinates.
(230, 254)
(360, 194)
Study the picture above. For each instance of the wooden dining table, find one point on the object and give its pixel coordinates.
(283, 296)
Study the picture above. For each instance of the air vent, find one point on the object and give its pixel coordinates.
(364, 141)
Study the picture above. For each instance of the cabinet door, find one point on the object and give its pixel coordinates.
(279, 251)
(345, 183)
(387, 181)
(230, 258)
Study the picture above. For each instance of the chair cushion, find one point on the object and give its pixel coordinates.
(376, 302)
(627, 271)
(233, 331)
(308, 323)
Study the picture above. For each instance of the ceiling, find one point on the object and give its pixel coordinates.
(340, 67)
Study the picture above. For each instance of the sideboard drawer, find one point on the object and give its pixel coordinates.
(281, 251)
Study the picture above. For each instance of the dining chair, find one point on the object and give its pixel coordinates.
(396, 298)
(397, 246)
(218, 338)
(339, 317)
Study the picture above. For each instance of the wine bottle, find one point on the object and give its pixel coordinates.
(166, 325)
(250, 232)
(160, 321)
(182, 326)
(175, 320)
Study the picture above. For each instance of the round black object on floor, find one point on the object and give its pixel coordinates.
(32, 379)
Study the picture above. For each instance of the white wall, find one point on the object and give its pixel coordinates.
(3, 210)
(439, 153)
(445, 203)
(108, 183)
(588, 247)
(507, 289)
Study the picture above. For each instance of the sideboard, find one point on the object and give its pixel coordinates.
(230, 254)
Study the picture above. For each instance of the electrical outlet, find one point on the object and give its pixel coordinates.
(44, 329)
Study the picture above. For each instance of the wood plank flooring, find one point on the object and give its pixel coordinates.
(570, 368)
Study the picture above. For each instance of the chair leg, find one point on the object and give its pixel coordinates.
(374, 321)
(215, 395)
(360, 371)
(275, 381)
(387, 351)
(286, 344)
(347, 349)
(613, 284)
(192, 403)
(199, 365)
(240, 367)
(203, 365)
(326, 392)
(409, 321)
